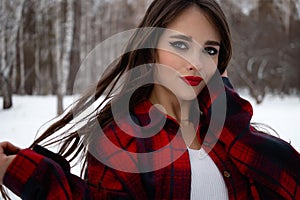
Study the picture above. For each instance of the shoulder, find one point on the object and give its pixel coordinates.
(277, 149)
(121, 131)
(114, 138)
(279, 162)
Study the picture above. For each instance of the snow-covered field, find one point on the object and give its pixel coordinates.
(21, 123)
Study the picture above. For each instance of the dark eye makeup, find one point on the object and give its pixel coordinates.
(179, 45)
(211, 51)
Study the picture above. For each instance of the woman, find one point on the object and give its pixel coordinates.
(189, 156)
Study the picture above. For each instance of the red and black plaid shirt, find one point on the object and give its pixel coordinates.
(254, 165)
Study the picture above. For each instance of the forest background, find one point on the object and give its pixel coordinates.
(43, 44)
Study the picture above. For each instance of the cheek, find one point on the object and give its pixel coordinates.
(209, 68)
(169, 59)
(164, 74)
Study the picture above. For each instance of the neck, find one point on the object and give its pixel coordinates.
(178, 109)
(174, 107)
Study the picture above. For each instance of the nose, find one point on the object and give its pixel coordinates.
(194, 65)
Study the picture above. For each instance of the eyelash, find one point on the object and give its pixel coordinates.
(210, 51)
(183, 46)
(178, 45)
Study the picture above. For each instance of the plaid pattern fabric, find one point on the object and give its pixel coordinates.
(33, 176)
(254, 165)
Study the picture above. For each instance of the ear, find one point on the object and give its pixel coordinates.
(225, 74)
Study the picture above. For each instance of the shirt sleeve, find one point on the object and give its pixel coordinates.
(35, 176)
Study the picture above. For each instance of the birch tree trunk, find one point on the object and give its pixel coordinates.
(64, 59)
(6, 92)
(38, 25)
(75, 49)
(11, 13)
(57, 26)
(58, 34)
(21, 55)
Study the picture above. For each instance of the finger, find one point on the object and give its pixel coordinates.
(11, 149)
(8, 148)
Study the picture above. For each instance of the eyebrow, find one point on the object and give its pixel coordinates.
(189, 39)
(213, 43)
(183, 37)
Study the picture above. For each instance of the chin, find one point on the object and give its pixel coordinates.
(186, 96)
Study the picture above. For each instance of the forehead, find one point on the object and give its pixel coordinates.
(195, 23)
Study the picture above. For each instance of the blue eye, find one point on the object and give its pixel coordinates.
(179, 45)
(211, 51)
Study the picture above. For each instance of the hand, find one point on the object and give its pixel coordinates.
(7, 154)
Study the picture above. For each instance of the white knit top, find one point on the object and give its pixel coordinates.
(207, 181)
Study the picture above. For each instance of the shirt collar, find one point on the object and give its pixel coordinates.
(147, 113)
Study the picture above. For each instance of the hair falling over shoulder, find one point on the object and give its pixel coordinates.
(159, 14)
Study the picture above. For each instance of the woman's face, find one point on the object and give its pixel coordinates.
(187, 55)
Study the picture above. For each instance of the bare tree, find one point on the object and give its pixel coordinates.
(37, 48)
(63, 58)
(43, 43)
(10, 24)
(75, 50)
(6, 90)
(21, 88)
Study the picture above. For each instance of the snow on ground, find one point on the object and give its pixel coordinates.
(21, 123)
(28, 114)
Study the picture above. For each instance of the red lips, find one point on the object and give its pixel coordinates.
(192, 80)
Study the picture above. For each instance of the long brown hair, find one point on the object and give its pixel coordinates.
(159, 14)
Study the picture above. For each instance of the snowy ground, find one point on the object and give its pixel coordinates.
(21, 123)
